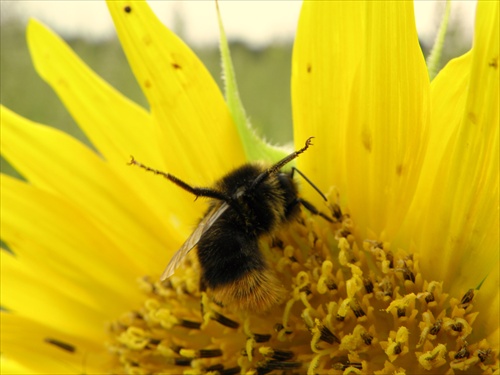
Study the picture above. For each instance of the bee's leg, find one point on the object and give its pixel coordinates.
(309, 182)
(312, 209)
(197, 191)
(280, 164)
(337, 213)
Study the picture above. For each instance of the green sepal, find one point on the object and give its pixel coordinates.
(255, 147)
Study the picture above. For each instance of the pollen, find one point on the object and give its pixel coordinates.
(351, 306)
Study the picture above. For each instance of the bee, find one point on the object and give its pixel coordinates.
(250, 202)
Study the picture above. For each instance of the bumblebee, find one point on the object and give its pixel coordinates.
(248, 203)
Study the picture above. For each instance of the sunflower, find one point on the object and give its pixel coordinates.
(403, 280)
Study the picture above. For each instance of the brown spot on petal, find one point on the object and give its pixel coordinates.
(61, 345)
(494, 63)
(366, 138)
(399, 169)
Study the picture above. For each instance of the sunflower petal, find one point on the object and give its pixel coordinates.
(459, 227)
(41, 154)
(13, 367)
(72, 256)
(370, 102)
(36, 300)
(323, 66)
(388, 119)
(185, 101)
(50, 350)
(116, 126)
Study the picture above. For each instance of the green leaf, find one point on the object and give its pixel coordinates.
(255, 147)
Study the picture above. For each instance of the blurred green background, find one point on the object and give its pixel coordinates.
(263, 76)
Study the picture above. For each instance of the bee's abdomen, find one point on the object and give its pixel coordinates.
(227, 255)
(257, 292)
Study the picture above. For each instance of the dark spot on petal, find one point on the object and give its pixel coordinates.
(147, 40)
(399, 169)
(366, 138)
(494, 63)
(61, 345)
(309, 68)
(147, 84)
(472, 117)
(176, 66)
(127, 9)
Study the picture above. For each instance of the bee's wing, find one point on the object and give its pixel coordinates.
(193, 239)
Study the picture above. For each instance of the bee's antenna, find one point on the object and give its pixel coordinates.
(276, 167)
(197, 191)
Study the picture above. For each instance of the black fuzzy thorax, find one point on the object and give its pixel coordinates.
(230, 249)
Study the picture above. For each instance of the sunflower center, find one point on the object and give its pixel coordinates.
(347, 309)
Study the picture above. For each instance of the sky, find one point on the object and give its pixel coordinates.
(256, 22)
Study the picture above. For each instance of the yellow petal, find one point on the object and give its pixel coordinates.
(10, 366)
(371, 103)
(116, 126)
(388, 119)
(448, 97)
(323, 66)
(188, 108)
(59, 248)
(35, 346)
(488, 302)
(44, 156)
(57, 308)
(459, 226)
